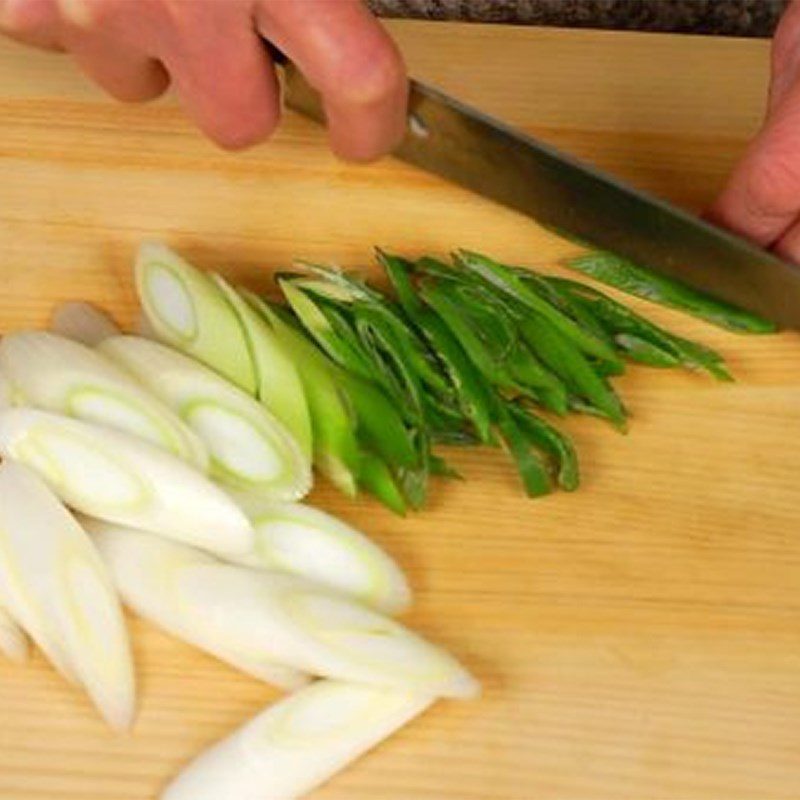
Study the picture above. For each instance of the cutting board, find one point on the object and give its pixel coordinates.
(637, 639)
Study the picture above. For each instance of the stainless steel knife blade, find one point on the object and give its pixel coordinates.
(470, 148)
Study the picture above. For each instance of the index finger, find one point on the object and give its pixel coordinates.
(346, 55)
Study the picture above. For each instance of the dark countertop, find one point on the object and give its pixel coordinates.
(721, 17)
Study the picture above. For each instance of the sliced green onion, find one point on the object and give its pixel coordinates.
(305, 541)
(281, 618)
(250, 449)
(470, 388)
(376, 477)
(326, 328)
(298, 744)
(279, 386)
(532, 469)
(336, 451)
(646, 352)
(83, 322)
(508, 282)
(58, 588)
(188, 311)
(155, 578)
(631, 328)
(13, 641)
(64, 376)
(120, 478)
(555, 444)
(574, 369)
(6, 390)
(657, 288)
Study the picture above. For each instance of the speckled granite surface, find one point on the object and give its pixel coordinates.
(722, 17)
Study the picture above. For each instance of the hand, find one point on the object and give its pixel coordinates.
(211, 51)
(761, 200)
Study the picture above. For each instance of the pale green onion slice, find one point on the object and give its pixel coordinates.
(6, 391)
(64, 376)
(13, 641)
(279, 386)
(305, 541)
(297, 744)
(186, 310)
(59, 589)
(148, 571)
(336, 451)
(250, 449)
(278, 617)
(120, 478)
(82, 322)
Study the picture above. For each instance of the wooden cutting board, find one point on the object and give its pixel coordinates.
(638, 639)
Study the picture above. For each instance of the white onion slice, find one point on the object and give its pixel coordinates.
(117, 477)
(305, 541)
(146, 570)
(13, 641)
(230, 609)
(297, 744)
(251, 451)
(59, 590)
(187, 311)
(60, 375)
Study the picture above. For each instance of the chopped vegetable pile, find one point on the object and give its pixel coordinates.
(164, 471)
(471, 352)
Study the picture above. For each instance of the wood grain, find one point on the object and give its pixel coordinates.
(638, 639)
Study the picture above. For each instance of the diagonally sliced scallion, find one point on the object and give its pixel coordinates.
(186, 310)
(59, 589)
(13, 641)
(82, 322)
(250, 449)
(336, 451)
(64, 376)
(279, 617)
(279, 386)
(6, 391)
(299, 539)
(297, 744)
(148, 571)
(117, 477)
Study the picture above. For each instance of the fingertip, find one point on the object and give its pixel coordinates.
(236, 133)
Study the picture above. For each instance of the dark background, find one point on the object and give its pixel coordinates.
(721, 17)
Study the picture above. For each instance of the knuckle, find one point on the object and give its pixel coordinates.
(27, 16)
(89, 13)
(771, 189)
(369, 77)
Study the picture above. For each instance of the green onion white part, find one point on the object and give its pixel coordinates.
(13, 641)
(250, 449)
(82, 322)
(276, 617)
(187, 310)
(297, 744)
(296, 538)
(6, 391)
(57, 374)
(151, 574)
(279, 386)
(120, 478)
(58, 588)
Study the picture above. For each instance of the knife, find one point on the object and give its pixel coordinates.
(465, 146)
